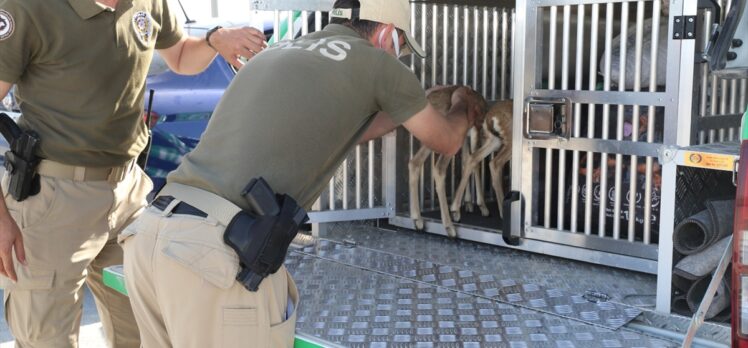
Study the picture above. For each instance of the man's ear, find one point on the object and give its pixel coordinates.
(383, 36)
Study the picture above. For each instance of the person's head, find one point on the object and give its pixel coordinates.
(384, 23)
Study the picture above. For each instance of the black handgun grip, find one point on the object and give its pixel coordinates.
(261, 198)
(9, 129)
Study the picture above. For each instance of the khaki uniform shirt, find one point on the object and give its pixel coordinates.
(293, 113)
(80, 70)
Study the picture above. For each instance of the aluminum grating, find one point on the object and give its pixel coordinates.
(357, 308)
(530, 296)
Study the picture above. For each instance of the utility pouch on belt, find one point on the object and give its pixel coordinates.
(261, 238)
(21, 160)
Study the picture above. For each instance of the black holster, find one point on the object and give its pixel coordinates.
(262, 241)
(21, 161)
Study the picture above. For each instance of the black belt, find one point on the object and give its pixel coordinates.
(182, 208)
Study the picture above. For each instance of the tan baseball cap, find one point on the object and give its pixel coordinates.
(396, 12)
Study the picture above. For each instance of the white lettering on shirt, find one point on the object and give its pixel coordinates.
(336, 50)
(340, 47)
(316, 44)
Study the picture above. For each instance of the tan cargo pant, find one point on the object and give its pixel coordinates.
(181, 280)
(69, 232)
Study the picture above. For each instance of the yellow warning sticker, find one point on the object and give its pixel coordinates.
(709, 161)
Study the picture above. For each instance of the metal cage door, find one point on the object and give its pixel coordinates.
(593, 124)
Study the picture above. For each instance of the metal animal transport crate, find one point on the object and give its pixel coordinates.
(638, 123)
(633, 96)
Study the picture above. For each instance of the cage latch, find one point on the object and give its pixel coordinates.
(547, 118)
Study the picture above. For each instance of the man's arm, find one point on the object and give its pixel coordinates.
(441, 133)
(192, 55)
(381, 125)
(10, 234)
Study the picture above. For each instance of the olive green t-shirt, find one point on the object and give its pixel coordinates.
(294, 111)
(80, 70)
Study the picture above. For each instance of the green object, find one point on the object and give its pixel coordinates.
(744, 126)
(284, 28)
(300, 343)
(114, 278)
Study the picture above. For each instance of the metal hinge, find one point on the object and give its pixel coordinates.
(684, 28)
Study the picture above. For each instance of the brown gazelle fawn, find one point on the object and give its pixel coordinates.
(494, 135)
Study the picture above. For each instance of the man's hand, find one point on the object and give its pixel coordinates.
(233, 43)
(10, 240)
(474, 111)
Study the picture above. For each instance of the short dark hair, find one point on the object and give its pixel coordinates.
(363, 27)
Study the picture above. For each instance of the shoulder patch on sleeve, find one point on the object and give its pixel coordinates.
(7, 25)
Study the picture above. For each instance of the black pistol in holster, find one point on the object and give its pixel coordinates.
(21, 159)
(261, 238)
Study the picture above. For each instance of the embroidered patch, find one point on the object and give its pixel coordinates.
(7, 25)
(143, 25)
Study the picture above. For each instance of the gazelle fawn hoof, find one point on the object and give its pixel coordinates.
(456, 216)
(419, 225)
(451, 232)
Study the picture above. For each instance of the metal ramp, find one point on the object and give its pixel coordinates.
(362, 286)
(358, 308)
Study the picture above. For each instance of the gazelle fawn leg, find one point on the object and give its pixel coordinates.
(468, 195)
(472, 162)
(414, 176)
(440, 178)
(497, 175)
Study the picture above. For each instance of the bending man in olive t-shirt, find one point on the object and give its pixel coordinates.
(290, 116)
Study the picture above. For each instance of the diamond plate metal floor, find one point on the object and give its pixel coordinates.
(622, 286)
(375, 297)
(486, 286)
(357, 308)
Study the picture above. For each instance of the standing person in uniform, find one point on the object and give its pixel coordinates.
(289, 116)
(80, 69)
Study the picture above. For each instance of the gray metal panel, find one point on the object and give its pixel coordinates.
(545, 3)
(593, 242)
(626, 287)
(599, 145)
(349, 215)
(530, 296)
(603, 97)
(357, 309)
(493, 237)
